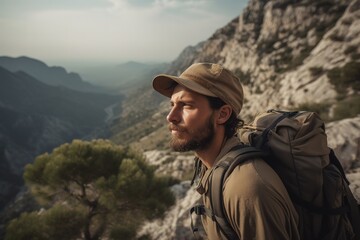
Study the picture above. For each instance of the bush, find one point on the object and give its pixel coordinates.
(355, 56)
(123, 232)
(350, 50)
(316, 71)
(345, 77)
(298, 60)
(27, 226)
(336, 37)
(57, 223)
(320, 108)
(347, 108)
(245, 78)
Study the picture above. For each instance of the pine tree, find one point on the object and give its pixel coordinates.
(92, 189)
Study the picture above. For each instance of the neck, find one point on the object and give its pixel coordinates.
(209, 155)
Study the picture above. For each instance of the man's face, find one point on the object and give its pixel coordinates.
(190, 120)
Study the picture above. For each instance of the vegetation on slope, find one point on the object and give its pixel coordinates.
(91, 190)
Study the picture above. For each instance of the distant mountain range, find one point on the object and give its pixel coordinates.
(23, 93)
(54, 76)
(42, 107)
(124, 77)
(36, 117)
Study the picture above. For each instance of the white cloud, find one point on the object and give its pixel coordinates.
(118, 5)
(177, 3)
(162, 4)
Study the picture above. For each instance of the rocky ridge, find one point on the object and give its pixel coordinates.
(275, 47)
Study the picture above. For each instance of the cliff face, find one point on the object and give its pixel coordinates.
(288, 55)
(282, 51)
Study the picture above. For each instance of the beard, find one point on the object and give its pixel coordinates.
(200, 138)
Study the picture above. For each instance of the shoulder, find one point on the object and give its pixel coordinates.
(255, 196)
(251, 179)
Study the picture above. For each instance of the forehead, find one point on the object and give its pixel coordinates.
(182, 93)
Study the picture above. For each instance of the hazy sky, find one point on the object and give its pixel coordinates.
(58, 31)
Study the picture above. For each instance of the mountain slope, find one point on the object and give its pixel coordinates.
(36, 117)
(283, 51)
(54, 76)
(288, 55)
(22, 92)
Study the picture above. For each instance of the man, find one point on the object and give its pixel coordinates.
(206, 100)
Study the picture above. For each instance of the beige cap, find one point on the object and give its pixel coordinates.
(207, 79)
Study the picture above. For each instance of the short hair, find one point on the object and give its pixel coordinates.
(233, 123)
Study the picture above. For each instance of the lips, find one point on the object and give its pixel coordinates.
(174, 128)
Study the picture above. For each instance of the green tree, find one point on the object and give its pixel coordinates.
(107, 190)
(27, 226)
(57, 223)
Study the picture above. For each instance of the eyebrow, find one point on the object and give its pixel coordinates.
(183, 101)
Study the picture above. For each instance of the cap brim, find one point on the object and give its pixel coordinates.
(165, 84)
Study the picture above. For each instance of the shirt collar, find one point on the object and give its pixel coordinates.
(202, 187)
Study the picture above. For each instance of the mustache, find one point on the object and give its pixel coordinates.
(173, 127)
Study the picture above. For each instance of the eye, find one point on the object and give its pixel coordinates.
(188, 105)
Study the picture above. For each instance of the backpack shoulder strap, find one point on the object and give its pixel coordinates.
(222, 170)
(354, 207)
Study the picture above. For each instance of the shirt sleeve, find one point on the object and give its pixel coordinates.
(258, 205)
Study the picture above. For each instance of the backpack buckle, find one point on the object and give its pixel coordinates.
(199, 209)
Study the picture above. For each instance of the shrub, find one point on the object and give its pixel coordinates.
(245, 78)
(347, 108)
(320, 108)
(350, 49)
(345, 77)
(355, 56)
(316, 71)
(27, 226)
(298, 60)
(337, 37)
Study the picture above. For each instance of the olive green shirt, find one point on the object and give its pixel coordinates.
(256, 202)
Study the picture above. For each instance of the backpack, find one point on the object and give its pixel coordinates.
(294, 144)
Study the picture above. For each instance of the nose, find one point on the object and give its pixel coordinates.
(173, 116)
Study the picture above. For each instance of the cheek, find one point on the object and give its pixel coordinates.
(195, 118)
(187, 116)
(191, 115)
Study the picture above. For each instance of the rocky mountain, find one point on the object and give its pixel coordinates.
(288, 55)
(287, 52)
(36, 117)
(54, 76)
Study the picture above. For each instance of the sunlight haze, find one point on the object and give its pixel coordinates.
(109, 31)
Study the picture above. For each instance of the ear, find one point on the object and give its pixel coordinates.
(224, 114)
